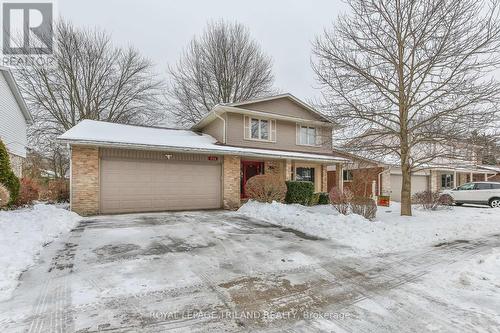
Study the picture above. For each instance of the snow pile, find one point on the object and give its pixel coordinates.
(473, 285)
(390, 233)
(23, 233)
(482, 272)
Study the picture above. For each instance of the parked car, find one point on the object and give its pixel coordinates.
(481, 193)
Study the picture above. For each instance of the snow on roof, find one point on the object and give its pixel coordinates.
(490, 167)
(100, 133)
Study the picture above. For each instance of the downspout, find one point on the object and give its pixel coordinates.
(223, 127)
(70, 177)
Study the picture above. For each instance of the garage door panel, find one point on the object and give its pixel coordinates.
(142, 185)
(418, 184)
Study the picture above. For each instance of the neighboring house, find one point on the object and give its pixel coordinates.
(14, 119)
(121, 168)
(369, 177)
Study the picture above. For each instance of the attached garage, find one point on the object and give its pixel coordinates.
(148, 181)
(419, 183)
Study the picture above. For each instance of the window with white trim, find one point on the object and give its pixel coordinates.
(260, 129)
(347, 175)
(307, 135)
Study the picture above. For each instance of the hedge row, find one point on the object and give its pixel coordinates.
(302, 192)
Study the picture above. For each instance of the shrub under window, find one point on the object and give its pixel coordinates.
(299, 192)
(265, 188)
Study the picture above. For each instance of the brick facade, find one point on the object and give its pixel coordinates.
(363, 180)
(231, 182)
(462, 179)
(324, 178)
(85, 180)
(288, 170)
(275, 168)
(16, 163)
(434, 181)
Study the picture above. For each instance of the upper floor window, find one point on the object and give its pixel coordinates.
(259, 129)
(307, 135)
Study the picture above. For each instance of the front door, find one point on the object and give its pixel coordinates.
(248, 170)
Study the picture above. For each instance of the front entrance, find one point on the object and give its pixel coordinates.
(248, 170)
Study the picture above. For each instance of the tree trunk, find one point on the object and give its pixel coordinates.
(406, 189)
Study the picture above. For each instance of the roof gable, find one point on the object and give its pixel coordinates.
(285, 107)
(285, 104)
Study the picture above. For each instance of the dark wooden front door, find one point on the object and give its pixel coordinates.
(248, 170)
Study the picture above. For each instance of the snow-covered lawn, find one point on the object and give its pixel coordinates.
(389, 232)
(23, 233)
(473, 285)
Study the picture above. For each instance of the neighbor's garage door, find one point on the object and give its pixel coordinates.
(418, 184)
(134, 185)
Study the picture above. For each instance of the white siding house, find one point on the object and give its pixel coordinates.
(14, 118)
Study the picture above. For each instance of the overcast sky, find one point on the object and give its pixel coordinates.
(162, 28)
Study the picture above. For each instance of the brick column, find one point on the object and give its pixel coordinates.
(462, 178)
(288, 170)
(324, 178)
(85, 180)
(339, 173)
(231, 182)
(434, 181)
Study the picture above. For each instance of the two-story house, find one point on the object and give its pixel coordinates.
(119, 168)
(14, 119)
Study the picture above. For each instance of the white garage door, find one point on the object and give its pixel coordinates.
(418, 184)
(134, 185)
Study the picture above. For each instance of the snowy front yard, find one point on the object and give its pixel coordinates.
(390, 232)
(471, 285)
(127, 272)
(23, 234)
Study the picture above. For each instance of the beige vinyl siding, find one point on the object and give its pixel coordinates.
(12, 121)
(285, 136)
(216, 129)
(282, 106)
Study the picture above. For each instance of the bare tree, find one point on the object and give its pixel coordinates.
(223, 65)
(86, 78)
(407, 78)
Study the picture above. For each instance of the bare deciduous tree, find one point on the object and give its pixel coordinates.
(223, 65)
(87, 78)
(407, 78)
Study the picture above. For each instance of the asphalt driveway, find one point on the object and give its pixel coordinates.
(218, 271)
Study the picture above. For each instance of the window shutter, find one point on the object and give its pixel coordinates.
(318, 136)
(246, 127)
(297, 134)
(273, 130)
